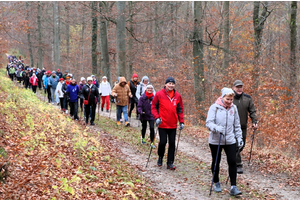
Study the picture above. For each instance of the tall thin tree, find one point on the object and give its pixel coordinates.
(94, 37)
(121, 39)
(293, 44)
(56, 35)
(29, 35)
(40, 48)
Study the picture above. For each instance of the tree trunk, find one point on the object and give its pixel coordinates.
(104, 45)
(94, 38)
(82, 41)
(68, 33)
(258, 24)
(29, 37)
(130, 42)
(225, 63)
(56, 35)
(293, 44)
(40, 50)
(121, 39)
(198, 53)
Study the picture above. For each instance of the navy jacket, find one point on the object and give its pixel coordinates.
(73, 92)
(144, 105)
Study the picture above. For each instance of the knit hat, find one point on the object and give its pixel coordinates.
(66, 71)
(170, 79)
(82, 79)
(93, 76)
(49, 72)
(226, 91)
(53, 72)
(135, 76)
(58, 70)
(61, 79)
(89, 79)
(104, 77)
(237, 83)
(149, 86)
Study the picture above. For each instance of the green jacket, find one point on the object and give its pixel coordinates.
(12, 70)
(245, 105)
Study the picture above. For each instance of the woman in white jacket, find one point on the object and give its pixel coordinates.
(223, 118)
(104, 91)
(60, 93)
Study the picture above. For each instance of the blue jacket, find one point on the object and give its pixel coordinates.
(45, 82)
(73, 92)
(53, 81)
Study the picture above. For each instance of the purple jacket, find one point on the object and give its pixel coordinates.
(144, 105)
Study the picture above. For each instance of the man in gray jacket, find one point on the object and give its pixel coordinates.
(245, 108)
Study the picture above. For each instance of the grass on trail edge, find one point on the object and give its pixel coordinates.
(52, 157)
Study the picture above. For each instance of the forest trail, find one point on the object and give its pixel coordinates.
(192, 177)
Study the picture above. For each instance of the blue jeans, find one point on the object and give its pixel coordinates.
(124, 110)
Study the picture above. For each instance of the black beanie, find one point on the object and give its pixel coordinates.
(170, 79)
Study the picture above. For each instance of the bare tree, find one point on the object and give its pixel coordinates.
(121, 39)
(226, 44)
(293, 44)
(40, 50)
(29, 37)
(56, 35)
(94, 38)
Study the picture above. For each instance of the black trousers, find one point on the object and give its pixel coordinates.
(164, 135)
(74, 109)
(34, 89)
(61, 102)
(81, 104)
(49, 94)
(238, 157)
(40, 84)
(131, 108)
(230, 151)
(87, 109)
(11, 77)
(66, 102)
(144, 128)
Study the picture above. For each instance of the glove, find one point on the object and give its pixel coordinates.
(100, 94)
(181, 126)
(220, 129)
(240, 143)
(158, 121)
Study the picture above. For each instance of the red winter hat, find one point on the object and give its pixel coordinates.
(135, 76)
(58, 70)
(49, 72)
(61, 79)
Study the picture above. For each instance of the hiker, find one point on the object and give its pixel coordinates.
(64, 90)
(12, 72)
(142, 87)
(167, 110)
(91, 97)
(60, 94)
(58, 73)
(34, 80)
(144, 110)
(26, 79)
(40, 78)
(121, 92)
(52, 82)
(19, 75)
(244, 105)
(223, 118)
(46, 86)
(73, 93)
(65, 75)
(105, 91)
(95, 81)
(133, 84)
(81, 84)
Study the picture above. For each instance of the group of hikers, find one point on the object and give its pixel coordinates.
(226, 119)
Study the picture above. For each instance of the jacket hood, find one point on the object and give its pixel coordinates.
(122, 79)
(220, 102)
(145, 77)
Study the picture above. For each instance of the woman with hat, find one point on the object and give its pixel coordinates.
(60, 93)
(105, 91)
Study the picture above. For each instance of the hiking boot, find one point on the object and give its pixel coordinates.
(107, 111)
(92, 124)
(127, 124)
(118, 123)
(152, 146)
(217, 187)
(101, 109)
(170, 166)
(143, 141)
(234, 191)
(160, 161)
(239, 170)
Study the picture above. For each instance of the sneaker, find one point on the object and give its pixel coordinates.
(143, 140)
(118, 123)
(101, 109)
(239, 170)
(152, 146)
(52, 103)
(160, 161)
(67, 112)
(92, 124)
(127, 124)
(121, 120)
(234, 191)
(170, 166)
(107, 111)
(217, 187)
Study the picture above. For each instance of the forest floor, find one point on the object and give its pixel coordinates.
(192, 177)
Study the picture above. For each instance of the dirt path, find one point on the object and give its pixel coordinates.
(185, 182)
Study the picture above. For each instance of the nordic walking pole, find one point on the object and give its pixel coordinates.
(151, 149)
(109, 109)
(237, 153)
(212, 181)
(98, 110)
(251, 147)
(177, 142)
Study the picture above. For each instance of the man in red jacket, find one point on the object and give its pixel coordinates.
(167, 110)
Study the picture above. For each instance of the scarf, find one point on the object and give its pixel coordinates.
(149, 95)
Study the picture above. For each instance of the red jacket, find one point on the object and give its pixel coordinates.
(33, 81)
(169, 110)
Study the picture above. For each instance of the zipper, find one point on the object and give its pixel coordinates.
(226, 125)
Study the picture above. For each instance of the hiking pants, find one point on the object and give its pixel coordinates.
(66, 102)
(132, 107)
(34, 89)
(87, 109)
(105, 98)
(164, 136)
(49, 94)
(74, 109)
(230, 151)
(121, 109)
(144, 128)
(61, 100)
(53, 92)
(11, 77)
(238, 157)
